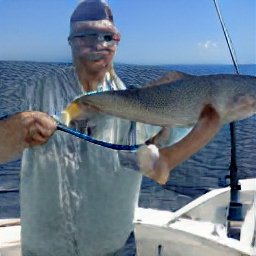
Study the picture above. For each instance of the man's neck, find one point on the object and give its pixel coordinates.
(89, 80)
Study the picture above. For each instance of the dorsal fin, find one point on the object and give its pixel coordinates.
(168, 78)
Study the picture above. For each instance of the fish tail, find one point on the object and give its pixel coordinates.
(70, 113)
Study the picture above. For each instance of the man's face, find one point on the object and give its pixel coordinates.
(93, 44)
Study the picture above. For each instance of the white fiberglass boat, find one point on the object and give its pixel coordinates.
(10, 237)
(200, 228)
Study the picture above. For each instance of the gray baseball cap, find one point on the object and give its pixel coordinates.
(92, 10)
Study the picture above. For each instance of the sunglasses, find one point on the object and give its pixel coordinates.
(95, 37)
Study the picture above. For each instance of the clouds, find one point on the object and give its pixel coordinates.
(212, 52)
(207, 45)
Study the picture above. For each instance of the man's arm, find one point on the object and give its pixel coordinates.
(22, 130)
(157, 164)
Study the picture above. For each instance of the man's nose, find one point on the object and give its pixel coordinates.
(101, 45)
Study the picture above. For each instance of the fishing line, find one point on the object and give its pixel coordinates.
(227, 37)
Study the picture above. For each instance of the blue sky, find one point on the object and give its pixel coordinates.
(153, 32)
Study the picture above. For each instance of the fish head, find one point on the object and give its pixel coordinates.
(77, 111)
(241, 106)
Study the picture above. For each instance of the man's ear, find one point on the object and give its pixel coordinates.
(117, 37)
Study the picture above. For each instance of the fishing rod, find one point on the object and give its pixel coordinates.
(235, 207)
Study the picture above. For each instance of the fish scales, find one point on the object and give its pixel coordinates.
(178, 103)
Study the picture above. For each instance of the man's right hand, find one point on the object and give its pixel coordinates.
(22, 130)
(36, 127)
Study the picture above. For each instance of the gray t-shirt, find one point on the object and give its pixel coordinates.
(76, 198)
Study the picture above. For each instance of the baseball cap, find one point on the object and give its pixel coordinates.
(92, 10)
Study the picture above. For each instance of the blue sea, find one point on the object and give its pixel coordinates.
(204, 171)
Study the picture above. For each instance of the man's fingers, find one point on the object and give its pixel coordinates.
(45, 130)
(45, 122)
(35, 138)
(152, 164)
(38, 127)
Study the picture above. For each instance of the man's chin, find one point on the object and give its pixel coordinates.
(95, 65)
(100, 63)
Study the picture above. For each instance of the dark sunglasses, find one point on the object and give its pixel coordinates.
(95, 37)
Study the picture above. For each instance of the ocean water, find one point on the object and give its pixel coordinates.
(205, 170)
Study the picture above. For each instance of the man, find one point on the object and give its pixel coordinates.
(76, 197)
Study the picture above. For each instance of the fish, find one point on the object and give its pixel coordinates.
(175, 100)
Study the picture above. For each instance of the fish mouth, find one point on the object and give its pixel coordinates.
(78, 111)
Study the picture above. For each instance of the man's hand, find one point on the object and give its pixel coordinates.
(36, 127)
(22, 130)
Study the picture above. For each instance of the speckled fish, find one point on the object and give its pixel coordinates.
(175, 102)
